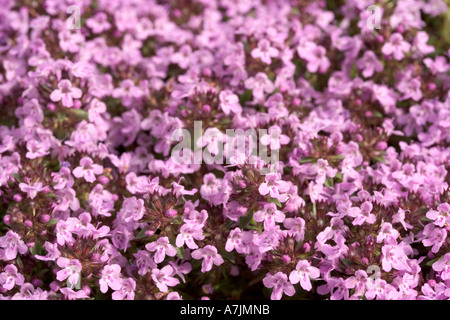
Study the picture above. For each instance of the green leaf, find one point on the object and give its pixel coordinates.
(347, 262)
(354, 71)
(336, 157)
(51, 222)
(81, 113)
(19, 262)
(245, 220)
(37, 249)
(17, 177)
(339, 177)
(276, 201)
(246, 96)
(307, 160)
(431, 262)
(227, 255)
(180, 253)
(141, 234)
(379, 159)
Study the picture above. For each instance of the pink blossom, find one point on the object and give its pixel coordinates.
(302, 273)
(229, 102)
(110, 277)
(161, 247)
(163, 278)
(32, 189)
(11, 277)
(265, 51)
(71, 269)
(12, 244)
(66, 93)
(88, 170)
(126, 291)
(396, 46)
(209, 255)
(280, 284)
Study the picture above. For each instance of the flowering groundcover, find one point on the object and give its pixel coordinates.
(125, 135)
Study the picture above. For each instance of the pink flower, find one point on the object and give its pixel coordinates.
(88, 170)
(275, 139)
(110, 277)
(269, 215)
(53, 252)
(132, 209)
(396, 46)
(213, 138)
(98, 23)
(229, 102)
(316, 58)
(338, 288)
(65, 93)
(303, 273)
(209, 255)
(126, 291)
(362, 214)
(70, 294)
(71, 270)
(162, 247)
(189, 232)
(31, 189)
(63, 179)
(441, 217)
(265, 51)
(280, 284)
(369, 64)
(144, 262)
(435, 237)
(12, 244)
(296, 227)
(237, 240)
(275, 187)
(163, 278)
(11, 277)
(443, 266)
(393, 257)
(387, 233)
(260, 84)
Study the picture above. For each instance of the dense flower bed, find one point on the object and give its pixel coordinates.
(95, 206)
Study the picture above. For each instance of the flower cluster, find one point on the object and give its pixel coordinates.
(93, 205)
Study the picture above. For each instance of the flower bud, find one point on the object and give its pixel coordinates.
(381, 145)
(45, 218)
(18, 197)
(86, 290)
(103, 179)
(207, 72)
(206, 108)
(171, 213)
(36, 282)
(306, 247)
(77, 104)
